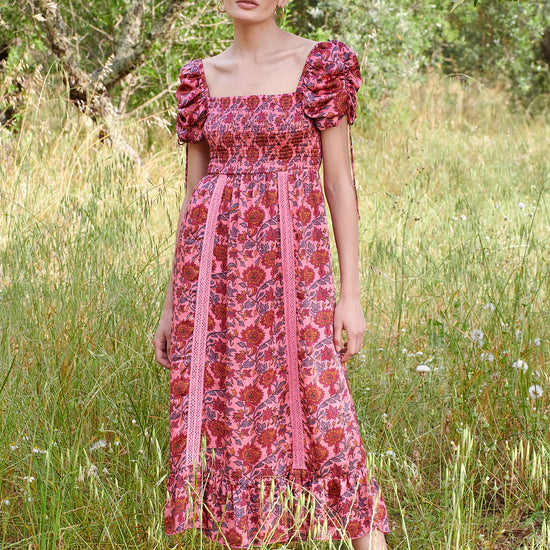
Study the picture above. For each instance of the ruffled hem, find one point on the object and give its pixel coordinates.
(274, 509)
(330, 84)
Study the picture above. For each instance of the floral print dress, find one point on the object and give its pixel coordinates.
(264, 439)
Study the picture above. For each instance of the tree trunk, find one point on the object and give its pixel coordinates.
(91, 91)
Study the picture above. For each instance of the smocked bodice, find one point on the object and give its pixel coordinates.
(270, 132)
(261, 134)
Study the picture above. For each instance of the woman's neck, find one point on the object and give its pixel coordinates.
(252, 41)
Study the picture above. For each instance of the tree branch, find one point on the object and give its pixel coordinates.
(133, 54)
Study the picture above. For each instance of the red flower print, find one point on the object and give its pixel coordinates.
(197, 214)
(354, 528)
(169, 523)
(253, 336)
(267, 437)
(313, 394)
(334, 489)
(270, 197)
(310, 334)
(217, 428)
(324, 317)
(332, 413)
(252, 154)
(220, 252)
(334, 436)
(190, 272)
(252, 102)
(320, 257)
(304, 215)
(317, 234)
(180, 388)
(285, 102)
(180, 505)
(315, 198)
(268, 318)
(208, 380)
(267, 378)
(222, 153)
(329, 377)
(254, 276)
(220, 310)
(220, 347)
(269, 258)
(251, 395)
(177, 444)
(221, 287)
(234, 538)
(249, 454)
(218, 405)
(285, 152)
(262, 140)
(219, 369)
(240, 356)
(318, 453)
(322, 294)
(225, 103)
(254, 216)
(238, 416)
(184, 329)
(308, 275)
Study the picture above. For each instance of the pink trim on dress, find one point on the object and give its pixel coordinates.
(200, 328)
(289, 297)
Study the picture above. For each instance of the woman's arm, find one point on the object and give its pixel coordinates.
(197, 168)
(340, 193)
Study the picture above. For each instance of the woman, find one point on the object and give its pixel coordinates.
(264, 440)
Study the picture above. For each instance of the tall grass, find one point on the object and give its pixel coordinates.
(454, 232)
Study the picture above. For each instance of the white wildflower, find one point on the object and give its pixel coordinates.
(521, 206)
(389, 452)
(423, 369)
(519, 334)
(535, 391)
(520, 364)
(536, 342)
(489, 306)
(13, 446)
(477, 336)
(30, 479)
(38, 450)
(463, 217)
(487, 356)
(6, 502)
(99, 444)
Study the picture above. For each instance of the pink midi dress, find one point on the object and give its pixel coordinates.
(264, 439)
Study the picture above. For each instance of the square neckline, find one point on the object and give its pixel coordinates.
(248, 96)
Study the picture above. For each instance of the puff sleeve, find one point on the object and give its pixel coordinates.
(192, 103)
(329, 90)
(330, 84)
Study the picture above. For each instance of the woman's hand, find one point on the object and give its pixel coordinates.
(161, 341)
(348, 316)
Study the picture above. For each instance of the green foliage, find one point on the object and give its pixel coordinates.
(404, 39)
(454, 197)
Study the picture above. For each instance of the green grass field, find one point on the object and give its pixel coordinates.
(454, 198)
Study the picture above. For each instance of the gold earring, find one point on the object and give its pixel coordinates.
(279, 15)
(221, 8)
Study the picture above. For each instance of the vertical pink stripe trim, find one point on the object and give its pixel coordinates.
(200, 328)
(289, 296)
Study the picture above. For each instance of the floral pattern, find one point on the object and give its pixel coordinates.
(246, 491)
